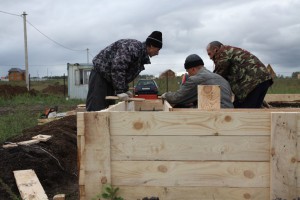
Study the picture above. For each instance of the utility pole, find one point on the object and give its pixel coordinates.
(87, 54)
(26, 51)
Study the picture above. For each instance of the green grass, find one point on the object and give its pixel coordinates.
(285, 86)
(22, 111)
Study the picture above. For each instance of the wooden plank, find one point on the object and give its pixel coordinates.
(193, 193)
(209, 97)
(205, 148)
(59, 197)
(130, 99)
(149, 105)
(121, 106)
(29, 185)
(282, 97)
(95, 158)
(190, 123)
(283, 156)
(28, 142)
(191, 173)
(42, 138)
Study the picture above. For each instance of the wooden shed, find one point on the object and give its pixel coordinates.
(151, 149)
(78, 79)
(16, 74)
(168, 73)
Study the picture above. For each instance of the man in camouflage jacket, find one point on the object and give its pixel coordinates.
(116, 66)
(187, 95)
(248, 77)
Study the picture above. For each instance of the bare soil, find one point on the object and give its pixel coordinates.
(54, 161)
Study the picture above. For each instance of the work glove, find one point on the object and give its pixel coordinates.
(123, 96)
(129, 94)
(163, 96)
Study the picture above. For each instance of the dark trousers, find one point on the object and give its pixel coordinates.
(255, 98)
(99, 88)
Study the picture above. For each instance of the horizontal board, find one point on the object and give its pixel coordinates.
(234, 148)
(193, 193)
(190, 173)
(149, 105)
(190, 123)
(282, 97)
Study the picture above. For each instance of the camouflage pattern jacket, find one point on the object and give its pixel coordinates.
(243, 70)
(121, 62)
(188, 92)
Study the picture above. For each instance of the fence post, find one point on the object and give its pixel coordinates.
(64, 85)
(28, 82)
(283, 156)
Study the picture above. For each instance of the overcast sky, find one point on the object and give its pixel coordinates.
(270, 29)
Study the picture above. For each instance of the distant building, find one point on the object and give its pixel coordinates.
(271, 71)
(168, 73)
(299, 76)
(78, 79)
(16, 74)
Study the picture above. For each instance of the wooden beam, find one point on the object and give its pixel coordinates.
(209, 97)
(191, 148)
(194, 193)
(282, 97)
(191, 173)
(29, 185)
(94, 153)
(283, 161)
(190, 123)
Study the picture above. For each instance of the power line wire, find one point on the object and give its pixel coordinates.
(52, 39)
(10, 13)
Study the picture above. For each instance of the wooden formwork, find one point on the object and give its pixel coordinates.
(188, 153)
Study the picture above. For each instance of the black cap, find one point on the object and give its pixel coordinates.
(155, 39)
(193, 60)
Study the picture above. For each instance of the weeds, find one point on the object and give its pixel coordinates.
(109, 192)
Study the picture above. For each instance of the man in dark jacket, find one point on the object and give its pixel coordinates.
(198, 75)
(248, 77)
(116, 66)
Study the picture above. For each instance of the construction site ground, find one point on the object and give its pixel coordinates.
(54, 161)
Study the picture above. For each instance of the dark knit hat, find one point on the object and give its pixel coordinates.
(193, 60)
(155, 39)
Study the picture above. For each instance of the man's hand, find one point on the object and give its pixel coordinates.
(123, 96)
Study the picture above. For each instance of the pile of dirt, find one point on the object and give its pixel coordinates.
(55, 89)
(8, 91)
(54, 161)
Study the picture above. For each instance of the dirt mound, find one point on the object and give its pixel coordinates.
(55, 89)
(54, 161)
(9, 91)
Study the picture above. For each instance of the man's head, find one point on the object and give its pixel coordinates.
(192, 64)
(154, 43)
(212, 48)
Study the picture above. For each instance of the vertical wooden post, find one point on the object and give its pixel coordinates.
(209, 97)
(94, 153)
(283, 160)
